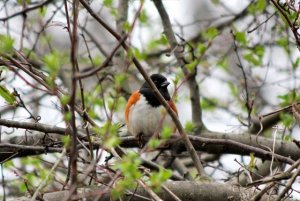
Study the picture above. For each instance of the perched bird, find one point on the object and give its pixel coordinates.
(144, 113)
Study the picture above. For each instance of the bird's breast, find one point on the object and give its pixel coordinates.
(146, 120)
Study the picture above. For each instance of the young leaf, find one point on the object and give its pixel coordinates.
(6, 44)
(9, 97)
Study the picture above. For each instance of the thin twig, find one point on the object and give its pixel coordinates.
(74, 49)
(194, 89)
(289, 184)
(26, 10)
(44, 182)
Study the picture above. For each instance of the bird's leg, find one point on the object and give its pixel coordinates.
(140, 140)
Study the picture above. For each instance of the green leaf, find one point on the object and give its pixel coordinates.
(252, 163)
(288, 138)
(112, 142)
(21, 2)
(67, 116)
(209, 103)
(143, 17)
(189, 127)
(97, 60)
(65, 99)
(166, 132)
(192, 65)
(283, 42)
(126, 26)
(215, 2)
(223, 63)
(158, 178)
(52, 62)
(138, 54)
(286, 119)
(241, 38)
(252, 58)
(201, 48)
(120, 79)
(154, 143)
(296, 63)
(129, 165)
(6, 44)
(210, 33)
(257, 7)
(261, 5)
(9, 97)
(158, 42)
(108, 3)
(43, 11)
(66, 140)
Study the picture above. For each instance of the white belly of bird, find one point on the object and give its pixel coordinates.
(148, 120)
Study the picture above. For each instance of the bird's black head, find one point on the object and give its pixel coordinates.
(161, 84)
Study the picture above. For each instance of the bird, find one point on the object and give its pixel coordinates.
(144, 113)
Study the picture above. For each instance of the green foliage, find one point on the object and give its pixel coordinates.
(189, 127)
(257, 7)
(255, 56)
(295, 63)
(66, 140)
(209, 103)
(97, 60)
(162, 41)
(67, 116)
(127, 26)
(108, 3)
(288, 138)
(65, 99)
(286, 119)
(284, 43)
(120, 79)
(52, 63)
(108, 127)
(144, 17)
(241, 38)
(40, 173)
(43, 11)
(154, 143)
(223, 63)
(129, 167)
(288, 98)
(192, 65)
(109, 134)
(177, 78)
(210, 33)
(166, 132)
(21, 2)
(138, 54)
(201, 48)
(215, 2)
(6, 44)
(112, 142)
(9, 97)
(252, 163)
(158, 178)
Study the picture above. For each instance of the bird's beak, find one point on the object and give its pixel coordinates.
(165, 84)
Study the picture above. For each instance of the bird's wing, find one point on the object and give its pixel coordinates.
(135, 96)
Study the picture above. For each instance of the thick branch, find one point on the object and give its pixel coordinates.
(33, 126)
(193, 86)
(185, 190)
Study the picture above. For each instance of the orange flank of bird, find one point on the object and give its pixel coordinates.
(135, 96)
(173, 106)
